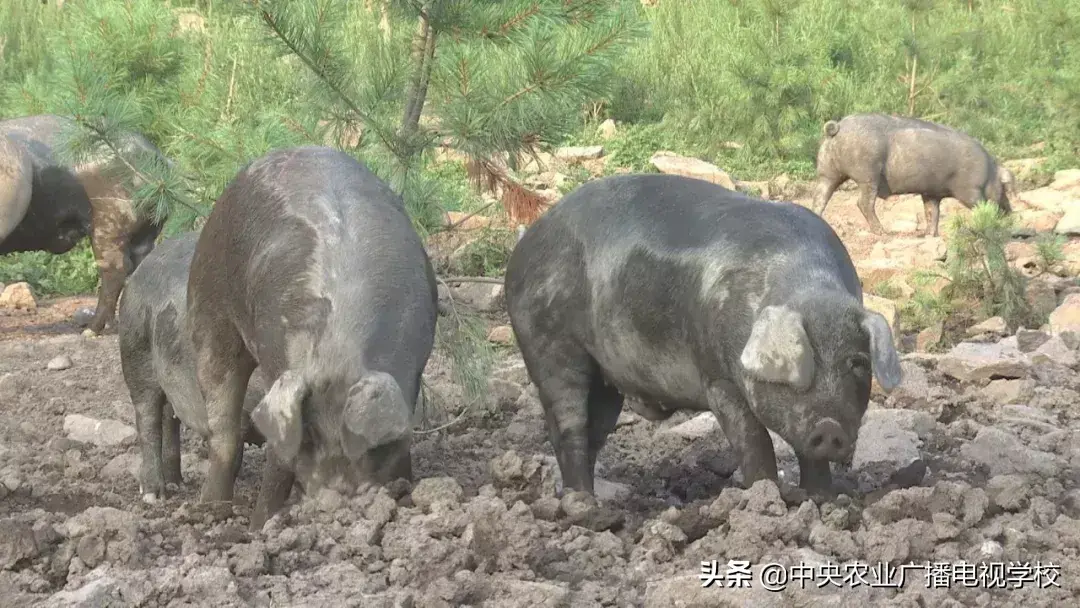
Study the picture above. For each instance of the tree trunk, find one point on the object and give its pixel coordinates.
(423, 56)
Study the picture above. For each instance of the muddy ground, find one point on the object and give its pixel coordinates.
(981, 471)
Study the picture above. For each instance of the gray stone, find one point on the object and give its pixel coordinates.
(59, 363)
(98, 432)
(976, 362)
(1005, 454)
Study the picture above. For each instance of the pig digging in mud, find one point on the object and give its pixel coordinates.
(887, 155)
(67, 203)
(158, 364)
(309, 267)
(687, 295)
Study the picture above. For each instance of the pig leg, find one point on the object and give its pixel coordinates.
(823, 192)
(149, 405)
(564, 381)
(110, 222)
(746, 434)
(932, 207)
(170, 446)
(867, 198)
(605, 405)
(274, 490)
(223, 367)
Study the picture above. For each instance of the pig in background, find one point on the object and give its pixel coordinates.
(686, 295)
(16, 184)
(158, 364)
(887, 155)
(68, 203)
(309, 268)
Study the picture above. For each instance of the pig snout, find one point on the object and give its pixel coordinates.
(828, 441)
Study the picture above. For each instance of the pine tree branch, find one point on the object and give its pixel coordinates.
(272, 22)
(103, 137)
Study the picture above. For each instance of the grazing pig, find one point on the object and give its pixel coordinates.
(16, 181)
(686, 295)
(887, 155)
(309, 267)
(67, 203)
(159, 365)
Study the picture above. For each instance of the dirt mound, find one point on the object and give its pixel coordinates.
(944, 472)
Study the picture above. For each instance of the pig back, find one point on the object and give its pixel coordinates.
(314, 254)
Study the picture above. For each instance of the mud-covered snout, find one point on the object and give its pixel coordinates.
(829, 441)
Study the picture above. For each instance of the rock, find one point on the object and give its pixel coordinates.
(484, 297)
(1055, 350)
(11, 386)
(888, 443)
(1069, 224)
(1027, 340)
(122, 466)
(1066, 179)
(104, 591)
(1066, 317)
(695, 428)
(98, 432)
(514, 593)
(671, 163)
(18, 296)
(607, 129)
(17, 543)
(1004, 392)
(576, 154)
(1035, 221)
(82, 316)
(1004, 454)
(886, 308)
(432, 492)
(501, 334)
(1009, 492)
(610, 491)
(993, 325)
(977, 362)
(59, 363)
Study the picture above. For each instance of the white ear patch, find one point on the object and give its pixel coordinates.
(778, 349)
(278, 415)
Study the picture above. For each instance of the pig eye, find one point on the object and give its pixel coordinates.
(859, 364)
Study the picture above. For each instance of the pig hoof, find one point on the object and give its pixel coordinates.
(172, 487)
(150, 498)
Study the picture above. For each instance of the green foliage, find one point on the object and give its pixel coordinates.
(1049, 250)
(488, 253)
(769, 74)
(73, 273)
(886, 289)
(978, 268)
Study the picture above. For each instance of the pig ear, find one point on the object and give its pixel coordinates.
(278, 415)
(1006, 176)
(779, 349)
(375, 415)
(882, 352)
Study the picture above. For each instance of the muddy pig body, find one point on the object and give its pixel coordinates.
(16, 184)
(68, 203)
(887, 155)
(309, 267)
(158, 364)
(685, 295)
